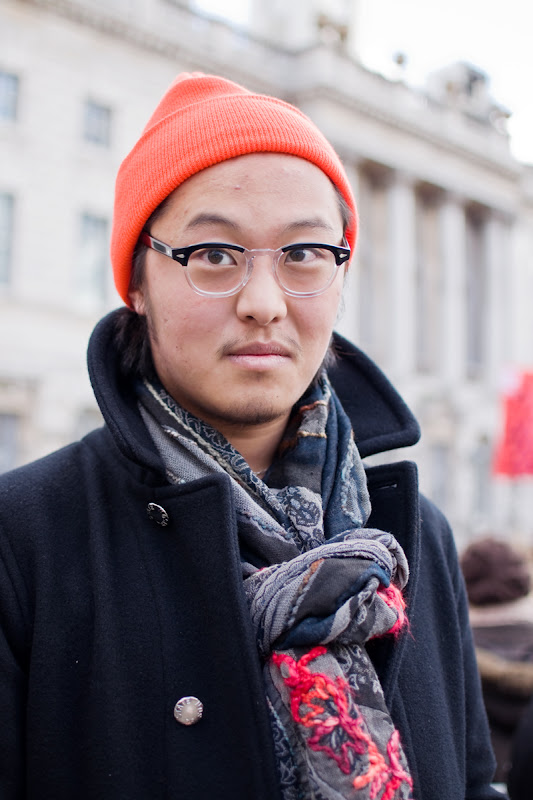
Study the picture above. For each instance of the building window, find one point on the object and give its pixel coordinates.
(476, 291)
(92, 270)
(9, 90)
(7, 212)
(428, 287)
(9, 424)
(97, 124)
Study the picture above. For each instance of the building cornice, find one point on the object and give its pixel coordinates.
(510, 170)
(111, 24)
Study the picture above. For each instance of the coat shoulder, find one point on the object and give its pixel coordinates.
(47, 485)
(53, 469)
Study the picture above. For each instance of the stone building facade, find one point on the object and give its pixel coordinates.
(439, 292)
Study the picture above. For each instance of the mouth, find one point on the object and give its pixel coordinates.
(260, 349)
(259, 355)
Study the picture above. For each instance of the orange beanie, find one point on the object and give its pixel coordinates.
(200, 121)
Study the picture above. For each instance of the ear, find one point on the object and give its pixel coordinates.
(137, 301)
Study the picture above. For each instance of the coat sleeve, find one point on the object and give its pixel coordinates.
(480, 762)
(472, 731)
(521, 774)
(13, 680)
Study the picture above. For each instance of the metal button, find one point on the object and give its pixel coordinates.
(157, 514)
(188, 710)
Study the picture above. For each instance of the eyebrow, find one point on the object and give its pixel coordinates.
(200, 220)
(315, 222)
(210, 219)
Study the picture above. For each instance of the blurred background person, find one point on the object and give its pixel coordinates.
(498, 582)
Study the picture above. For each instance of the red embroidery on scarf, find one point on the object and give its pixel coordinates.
(399, 775)
(393, 597)
(312, 695)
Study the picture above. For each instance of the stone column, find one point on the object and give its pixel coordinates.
(453, 229)
(499, 282)
(519, 277)
(399, 318)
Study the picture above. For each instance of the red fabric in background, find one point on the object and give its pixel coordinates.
(514, 454)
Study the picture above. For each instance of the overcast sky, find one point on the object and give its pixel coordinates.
(493, 35)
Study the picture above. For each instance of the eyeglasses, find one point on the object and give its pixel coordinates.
(214, 269)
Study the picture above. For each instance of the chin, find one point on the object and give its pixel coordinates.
(246, 414)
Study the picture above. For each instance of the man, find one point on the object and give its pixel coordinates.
(206, 598)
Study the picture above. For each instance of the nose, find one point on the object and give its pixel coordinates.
(262, 299)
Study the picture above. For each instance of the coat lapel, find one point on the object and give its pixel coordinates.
(395, 508)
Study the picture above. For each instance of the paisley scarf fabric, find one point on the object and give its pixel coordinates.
(319, 585)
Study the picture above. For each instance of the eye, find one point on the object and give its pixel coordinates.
(296, 255)
(216, 256)
(304, 255)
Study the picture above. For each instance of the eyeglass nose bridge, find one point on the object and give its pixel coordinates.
(251, 255)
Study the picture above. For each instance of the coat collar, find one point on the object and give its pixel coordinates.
(380, 419)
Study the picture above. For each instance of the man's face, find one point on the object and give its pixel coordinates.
(243, 360)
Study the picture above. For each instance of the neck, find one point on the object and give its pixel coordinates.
(257, 443)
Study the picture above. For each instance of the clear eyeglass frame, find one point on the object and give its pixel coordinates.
(182, 255)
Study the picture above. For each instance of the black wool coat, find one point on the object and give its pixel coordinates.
(520, 781)
(107, 618)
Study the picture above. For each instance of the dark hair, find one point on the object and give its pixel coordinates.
(133, 343)
(347, 215)
(140, 250)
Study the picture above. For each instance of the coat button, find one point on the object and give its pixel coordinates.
(188, 710)
(157, 514)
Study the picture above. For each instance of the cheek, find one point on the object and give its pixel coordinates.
(187, 328)
(319, 316)
(324, 317)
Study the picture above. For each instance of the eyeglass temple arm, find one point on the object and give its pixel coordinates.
(161, 247)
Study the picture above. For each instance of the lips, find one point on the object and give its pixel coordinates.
(260, 349)
(259, 356)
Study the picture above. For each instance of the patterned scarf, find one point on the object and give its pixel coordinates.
(319, 585)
